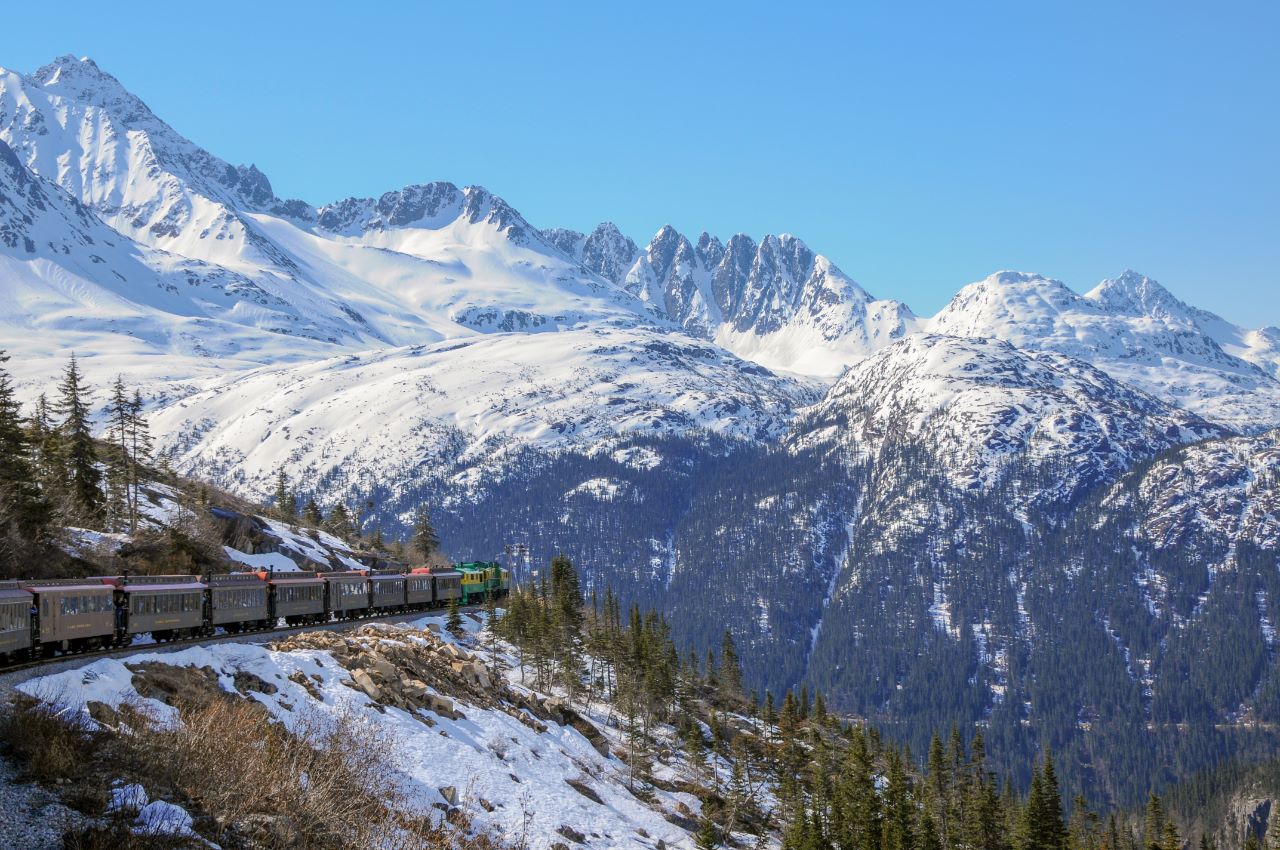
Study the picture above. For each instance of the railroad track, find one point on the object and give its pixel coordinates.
(77, 659)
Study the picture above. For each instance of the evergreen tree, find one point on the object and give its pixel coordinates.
(311, 514)
(425, 539)
(454, 621)
(286, 503)
(120, 476)
(140, 448)
(1153, 828)
(340, 524)
(707, 837)
(730, 668)
(23, 507)
(78, 455)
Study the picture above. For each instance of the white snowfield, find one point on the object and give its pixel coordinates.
(487, 754)
(434, 322)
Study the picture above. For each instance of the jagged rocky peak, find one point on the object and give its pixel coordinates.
(84, 81)
(424, 205)
(1138, 295)
(566, 241)
(608, 252)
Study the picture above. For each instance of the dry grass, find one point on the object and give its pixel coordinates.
(248, 781)
(49, 740)
(323, 785)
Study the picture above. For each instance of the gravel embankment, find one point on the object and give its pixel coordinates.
(31, 818)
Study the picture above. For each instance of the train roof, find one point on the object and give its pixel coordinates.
(65, 584)
(224, 579)
(10, 591)
(150, 581)
(172, 587)
(295, 578)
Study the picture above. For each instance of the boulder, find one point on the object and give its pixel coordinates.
(365, 683)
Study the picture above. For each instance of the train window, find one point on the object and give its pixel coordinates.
(306, 593)
(69, 606)
(13, 618)
(350, 588)
(249, 597)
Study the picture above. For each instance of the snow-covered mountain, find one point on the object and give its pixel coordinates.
(1133, 329)
(979, 405)
(453, 406)
(776, 302)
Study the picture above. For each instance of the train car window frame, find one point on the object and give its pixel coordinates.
(14, 617)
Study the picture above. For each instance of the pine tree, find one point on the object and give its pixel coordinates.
(119, 503)
(454, 621)
(425, 539)
(23, 507)
(708, 836)
(286, 504)
(1153, 829)
(730, 668)
(340, 524)
(311, 514)
(140, 449)
(79, 456)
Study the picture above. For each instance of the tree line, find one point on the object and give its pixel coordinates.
(54, 473)
(796, 769)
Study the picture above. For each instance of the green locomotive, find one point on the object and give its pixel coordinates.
(480, 578)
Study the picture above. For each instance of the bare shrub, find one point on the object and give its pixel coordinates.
(50, 739)
(323, 785)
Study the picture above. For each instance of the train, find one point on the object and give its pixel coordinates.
(47, 617)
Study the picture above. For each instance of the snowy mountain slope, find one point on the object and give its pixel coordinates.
(73, 283)
(481, 264)
(77, 126)
(400, 415)
(1226, 491)
(1134, 330)
(436, 262)
(979, 405)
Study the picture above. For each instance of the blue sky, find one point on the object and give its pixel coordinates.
(919, 145)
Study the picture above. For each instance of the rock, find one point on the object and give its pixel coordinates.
(103, 714)
(585, 790)
(450, 794)
(486, 805)
(383, 671)
(571, 834)
(365, 683)
(271, 830)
